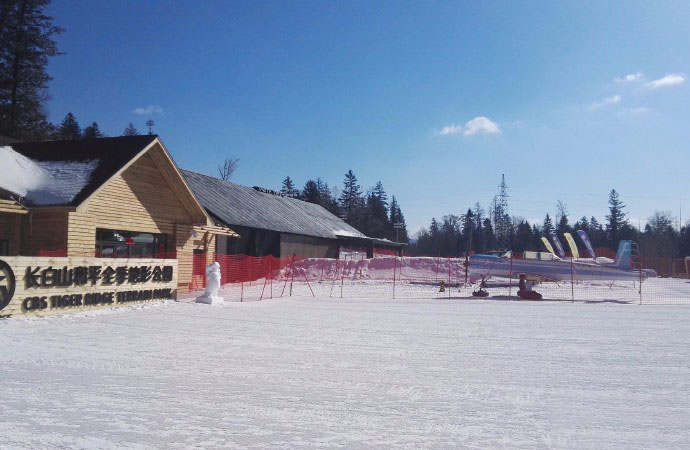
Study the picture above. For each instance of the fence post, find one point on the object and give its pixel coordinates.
(510, 276)
(436, 269)
(286, 280)
(395, 268)
(342, 277)
(572, 279)
(265, 280)
(449, 277)
(333, 278)
(640, 269)
(467, 266)
(270, 272)
(306, 278)
(292, 272)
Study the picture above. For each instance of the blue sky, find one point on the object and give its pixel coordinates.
(435, 99)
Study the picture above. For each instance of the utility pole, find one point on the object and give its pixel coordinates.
(398, 226)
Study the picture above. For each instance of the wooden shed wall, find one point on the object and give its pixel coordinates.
(43, 230)
(307, 246)
(10, 228)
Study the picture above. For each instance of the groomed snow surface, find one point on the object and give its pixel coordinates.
(356, 373)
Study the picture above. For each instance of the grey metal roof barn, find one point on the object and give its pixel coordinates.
(245, 206)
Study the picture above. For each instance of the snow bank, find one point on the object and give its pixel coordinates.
(43, 182)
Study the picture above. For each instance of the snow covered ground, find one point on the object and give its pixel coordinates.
(358, 373)
(662, 291)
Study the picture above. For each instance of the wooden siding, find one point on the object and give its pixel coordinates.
(184, 245)
(139, 199)
(10, 206)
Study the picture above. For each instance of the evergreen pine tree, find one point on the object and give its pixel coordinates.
(468, 228)
(660, 238)
(351, 201)
(523, 237)
(26, 43)
(616, 224)
(423, 246)
(563, 226)
(582, 224)
(311, 193)
(69, 129)
(684, 240)
(375, 217)
(92, 131)
(377, 212)
(288, 188)
(477, 239)
(327, 199)
(536, 238)
(130, 130)
(433, 228)
(488, 236)
(547, 226)
(380, 194)
(596, 233)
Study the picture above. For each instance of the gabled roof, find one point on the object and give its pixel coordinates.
(107, 155)
(244, 206)
(67, 173)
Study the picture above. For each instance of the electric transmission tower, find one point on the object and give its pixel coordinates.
(500, 215)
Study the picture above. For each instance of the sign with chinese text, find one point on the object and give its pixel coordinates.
(47, 284)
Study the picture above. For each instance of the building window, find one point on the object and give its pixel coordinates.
(130, 244)
(4, 247)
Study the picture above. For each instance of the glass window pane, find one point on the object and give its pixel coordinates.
(133, 244)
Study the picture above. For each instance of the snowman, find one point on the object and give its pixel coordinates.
(212, 286)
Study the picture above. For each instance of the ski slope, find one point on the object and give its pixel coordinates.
(356, 373)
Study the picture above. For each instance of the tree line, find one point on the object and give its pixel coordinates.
(26, 43)
(369, 212)
(70, 130)
(474, 231)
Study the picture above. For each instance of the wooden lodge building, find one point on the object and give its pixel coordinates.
(124, 197)
(271, 224)
(106, 197)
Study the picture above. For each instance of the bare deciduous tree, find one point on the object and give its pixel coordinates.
(226, 170)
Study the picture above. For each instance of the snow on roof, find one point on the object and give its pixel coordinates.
(347, 233)
(43, 182)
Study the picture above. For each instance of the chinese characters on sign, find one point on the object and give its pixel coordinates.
(95, 275)
(37, 278)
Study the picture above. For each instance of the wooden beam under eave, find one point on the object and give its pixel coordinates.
(11, 206)
(222, 231)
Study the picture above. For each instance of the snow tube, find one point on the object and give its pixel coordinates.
(529, 295)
